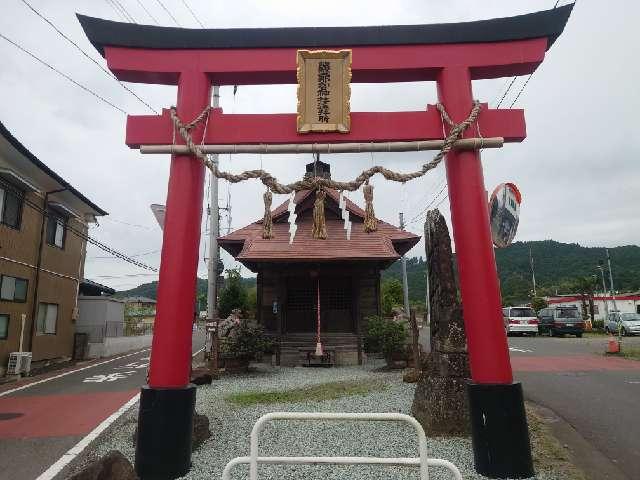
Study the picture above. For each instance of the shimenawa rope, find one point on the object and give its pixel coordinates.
(319, 183)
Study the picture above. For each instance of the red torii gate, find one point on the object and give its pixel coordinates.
(450, 54)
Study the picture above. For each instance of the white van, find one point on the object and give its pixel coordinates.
(520, 320)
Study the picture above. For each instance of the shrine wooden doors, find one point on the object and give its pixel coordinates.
(336, 305)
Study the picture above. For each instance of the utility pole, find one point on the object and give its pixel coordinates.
(604, 291)
(212, 267)
(405, 285)
(427, 242)
(533, 273)
(613, 292)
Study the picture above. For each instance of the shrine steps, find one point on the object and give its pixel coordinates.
(293, 347)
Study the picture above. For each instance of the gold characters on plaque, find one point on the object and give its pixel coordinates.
(324, 91)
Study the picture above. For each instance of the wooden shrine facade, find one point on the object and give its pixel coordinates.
(347, 272)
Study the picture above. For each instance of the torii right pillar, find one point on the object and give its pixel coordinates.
(496, 405)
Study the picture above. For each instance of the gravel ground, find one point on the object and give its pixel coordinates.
(231, 426)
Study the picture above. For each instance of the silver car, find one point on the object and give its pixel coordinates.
(627, 323)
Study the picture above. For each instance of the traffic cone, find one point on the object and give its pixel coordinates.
(613, 346)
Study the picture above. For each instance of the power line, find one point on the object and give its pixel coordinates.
(506, 92)
(147, 12)
(521, 90)
(192, 13)
(129, 224)
(115, 9)
(126, 275)
(416, 217)
(67, 77)
(81, 50)
(82, 235)
(168, 12)
(443, 199)
(132, 256)
(126, 12)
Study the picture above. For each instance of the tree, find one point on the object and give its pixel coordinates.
(538, 303)
(586, 287)
(392, 295)
(234, 294)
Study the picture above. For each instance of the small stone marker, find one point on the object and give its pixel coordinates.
(440, 401)
(113, 466)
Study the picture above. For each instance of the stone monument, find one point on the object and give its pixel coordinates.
(440, 401)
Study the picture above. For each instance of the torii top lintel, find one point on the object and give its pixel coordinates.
(397, 53)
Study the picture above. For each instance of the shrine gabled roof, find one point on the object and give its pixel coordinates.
(545, 24)
(384, 245)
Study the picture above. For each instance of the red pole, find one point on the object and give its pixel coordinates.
(481, 301)
(171, 349)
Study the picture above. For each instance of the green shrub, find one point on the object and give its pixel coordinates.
(392, 295)
(385, 336)
(242, 338)
(233, 295)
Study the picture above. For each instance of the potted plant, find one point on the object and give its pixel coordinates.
(241, 341)
(388, 337)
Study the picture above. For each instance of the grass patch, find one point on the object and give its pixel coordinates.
(595, 333)
(632, 353)
(548, 454)
(317, 393)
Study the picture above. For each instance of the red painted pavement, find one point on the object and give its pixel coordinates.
(572, 363)
(58, 415)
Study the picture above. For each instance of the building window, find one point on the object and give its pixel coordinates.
(10, 207)
(56, 230)
(596, 310)
(637, 308)
(4, 326)
(47, 318)
(13, 289)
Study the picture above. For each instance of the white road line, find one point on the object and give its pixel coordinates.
(29, 385)
(79, 447)
(521, 350)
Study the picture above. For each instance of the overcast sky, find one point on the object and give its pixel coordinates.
(578, 169)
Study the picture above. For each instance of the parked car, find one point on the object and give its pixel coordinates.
(560, 321)
(520, 320)
(627, 323)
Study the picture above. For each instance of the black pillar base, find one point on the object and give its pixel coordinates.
(499, 431)
(165, 427)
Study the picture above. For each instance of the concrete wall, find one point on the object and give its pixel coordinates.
(118, 345)
(99, 310)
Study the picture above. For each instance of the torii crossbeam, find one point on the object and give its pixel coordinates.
(452, 55)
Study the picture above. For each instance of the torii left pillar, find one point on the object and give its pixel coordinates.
(165, 422)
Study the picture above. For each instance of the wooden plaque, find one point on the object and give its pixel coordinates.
(324, 91)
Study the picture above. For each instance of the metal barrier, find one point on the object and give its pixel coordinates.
(422, 461)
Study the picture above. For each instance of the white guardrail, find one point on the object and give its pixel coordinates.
(422, 461)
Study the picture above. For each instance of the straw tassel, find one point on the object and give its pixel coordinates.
(267, 221)
(370, 220)
(319, 224)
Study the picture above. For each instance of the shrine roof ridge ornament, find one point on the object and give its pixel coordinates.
(544, 24)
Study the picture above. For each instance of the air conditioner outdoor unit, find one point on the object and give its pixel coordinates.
(19, 362)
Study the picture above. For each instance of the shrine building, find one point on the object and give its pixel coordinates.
(347, 271)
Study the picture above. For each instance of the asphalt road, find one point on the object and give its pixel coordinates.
(40, 423)
(599, 396)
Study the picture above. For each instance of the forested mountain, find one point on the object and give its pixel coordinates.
(557, 266)
(151, 289)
